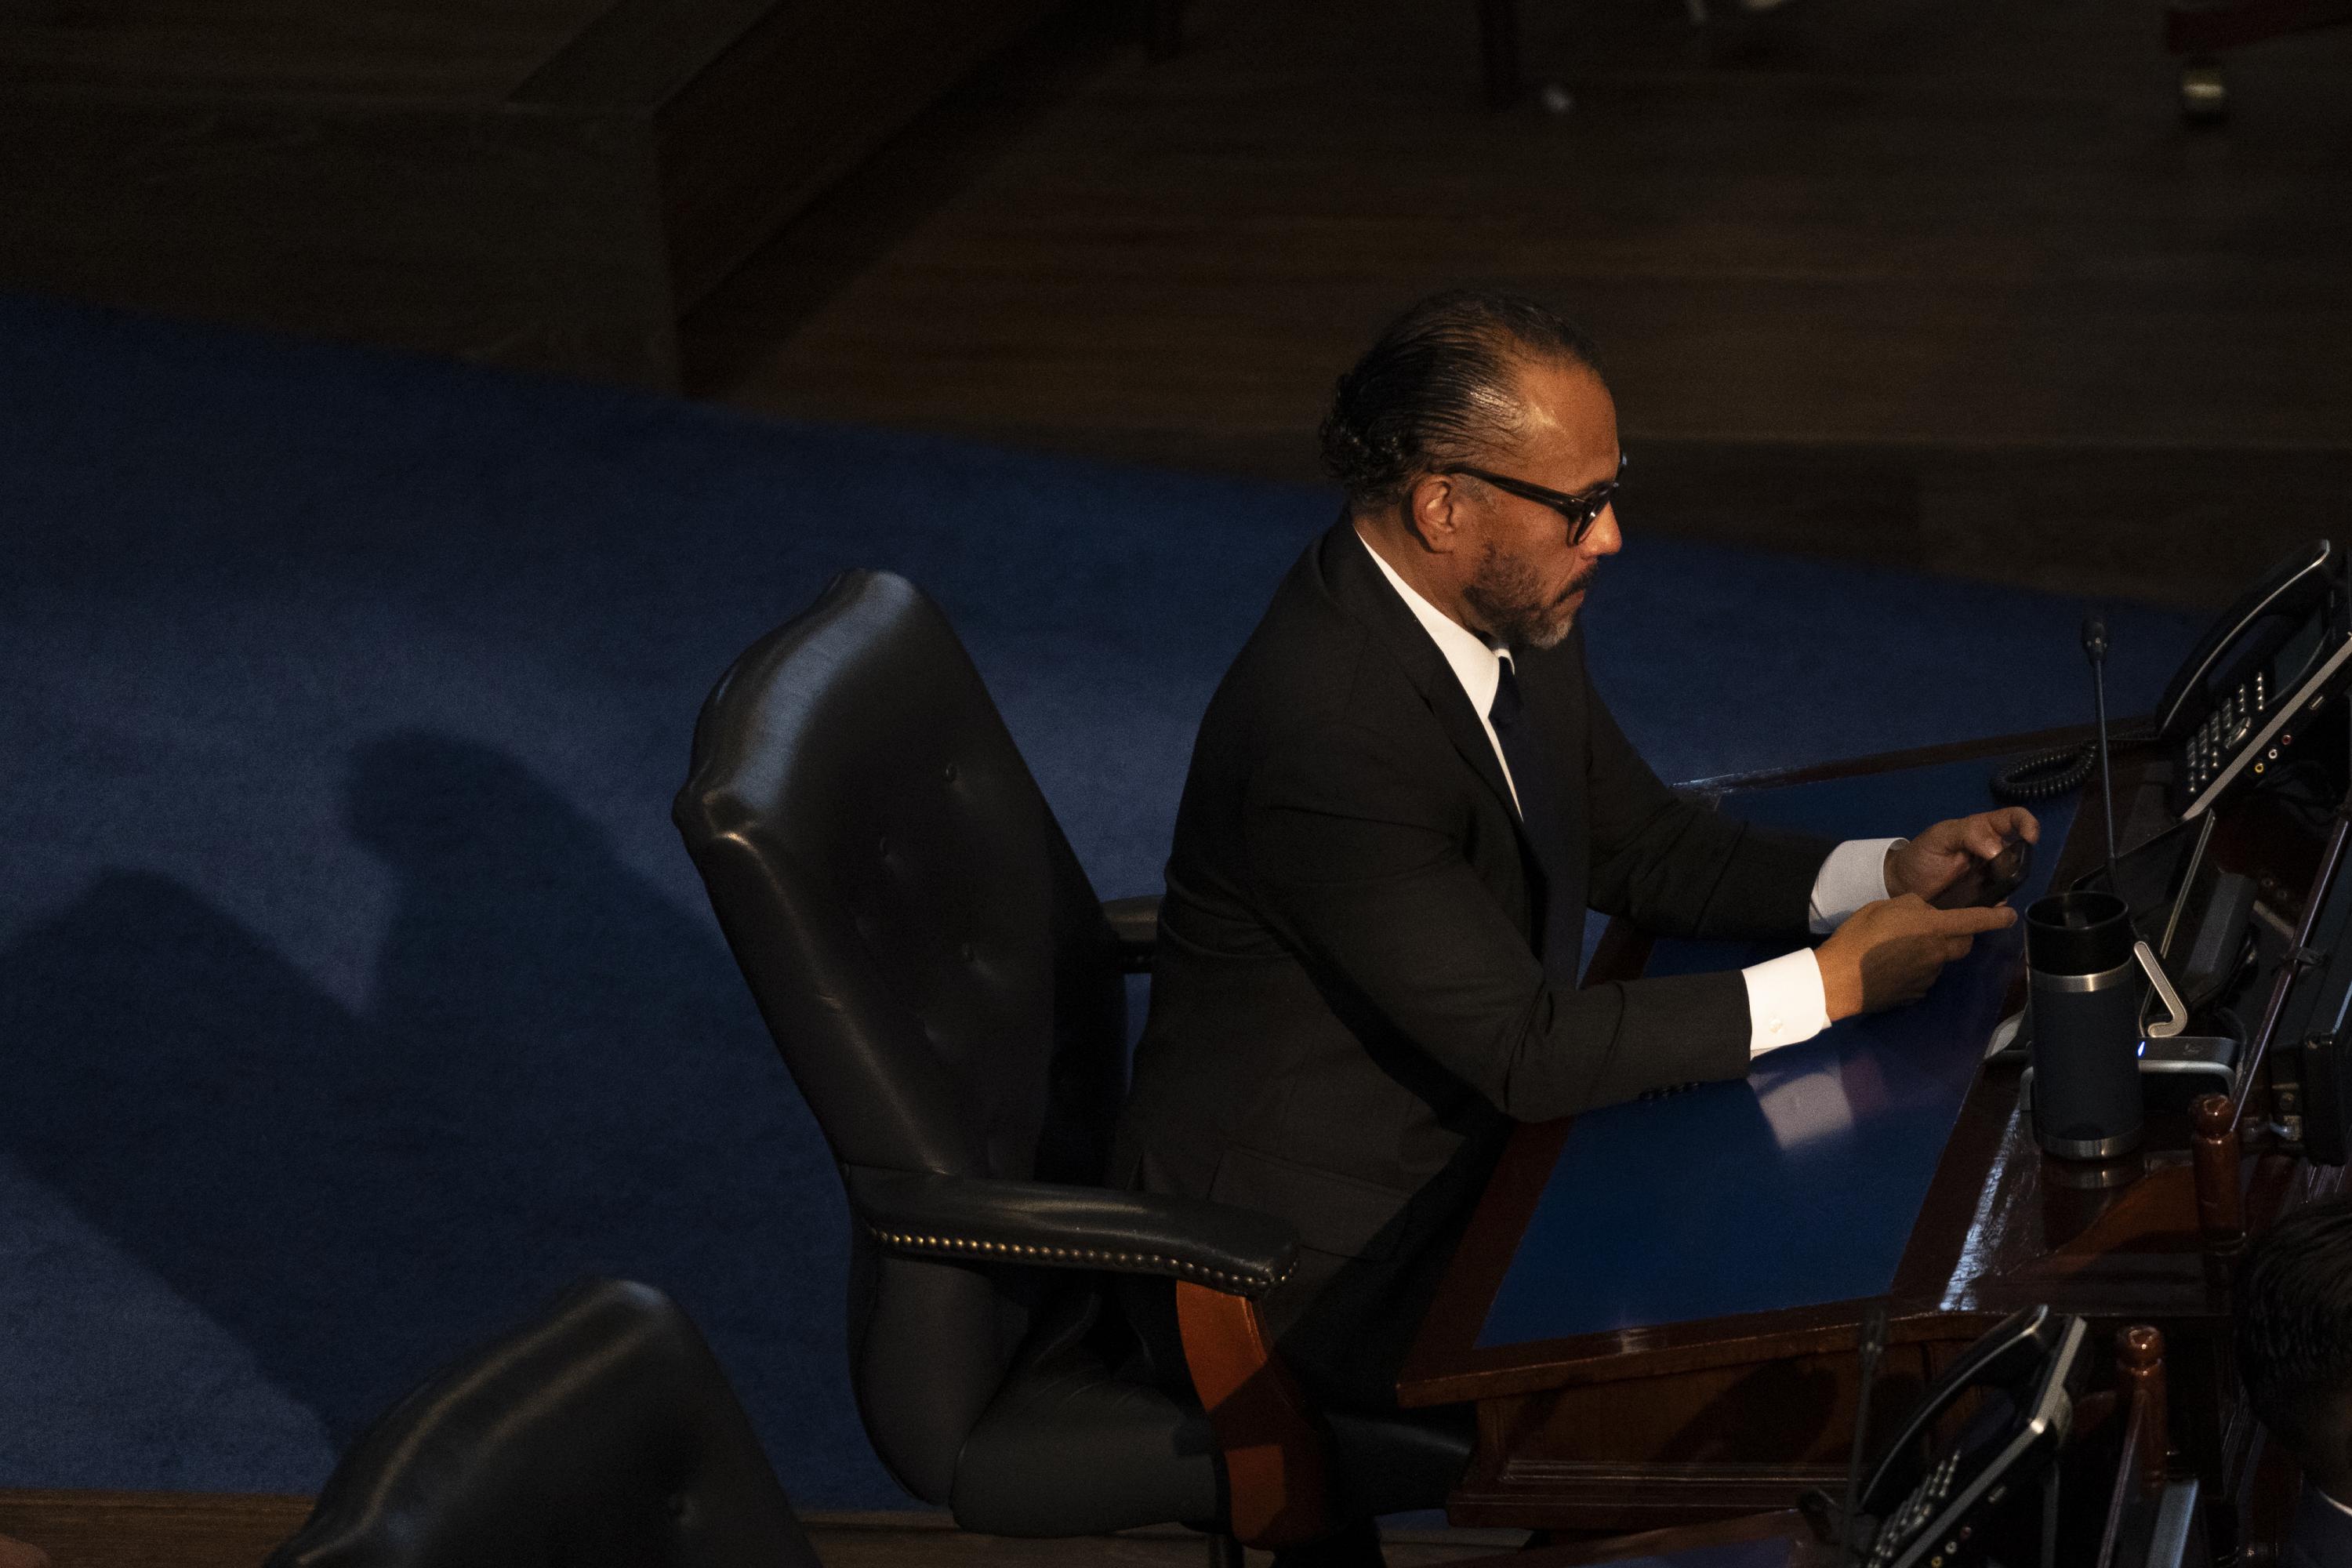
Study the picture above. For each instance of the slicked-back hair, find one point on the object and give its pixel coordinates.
(1440, 389)
(2294, 1333)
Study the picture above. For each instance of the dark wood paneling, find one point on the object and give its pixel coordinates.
(152, 1529)
(801, 98)
(758, 105)
(521, 235)
(536, 183)
(441, 50)
(1940, 283)
(525, 237)
(639, 55)
(2186, 525)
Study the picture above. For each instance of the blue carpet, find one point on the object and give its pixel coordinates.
(354, 993)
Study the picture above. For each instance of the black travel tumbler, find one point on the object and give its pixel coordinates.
(2087, 986)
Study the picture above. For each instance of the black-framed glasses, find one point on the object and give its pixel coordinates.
(1581, 510)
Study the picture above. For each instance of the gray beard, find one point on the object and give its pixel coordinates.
(1507, 599)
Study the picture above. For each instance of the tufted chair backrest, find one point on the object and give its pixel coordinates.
(928, 954)
(604, 1434)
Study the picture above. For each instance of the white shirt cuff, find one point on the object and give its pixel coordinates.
(1853, 874)
(1785, 1001)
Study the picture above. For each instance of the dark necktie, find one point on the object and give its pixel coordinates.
(1559, 903)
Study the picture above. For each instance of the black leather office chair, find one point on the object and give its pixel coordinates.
(602, 1435)
(948, 993)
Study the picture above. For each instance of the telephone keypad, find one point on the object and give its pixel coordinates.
(2212, 743)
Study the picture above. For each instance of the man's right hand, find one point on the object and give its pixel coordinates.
(1889, 953)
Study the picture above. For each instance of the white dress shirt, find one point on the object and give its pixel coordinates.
(1785, 1000)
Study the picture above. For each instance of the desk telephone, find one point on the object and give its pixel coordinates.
(2002, 1465)
(2242, 701)
(2251, 708)
(2233, 713)
(1985, 1496)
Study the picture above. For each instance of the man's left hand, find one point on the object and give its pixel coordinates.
(1931, 862)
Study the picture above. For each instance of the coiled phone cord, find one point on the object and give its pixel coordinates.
(2060, 772)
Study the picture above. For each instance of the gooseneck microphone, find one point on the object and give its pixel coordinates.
(2095, 648)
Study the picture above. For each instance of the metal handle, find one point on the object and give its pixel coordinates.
(2179, 1019)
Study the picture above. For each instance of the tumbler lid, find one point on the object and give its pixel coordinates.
(2078, 934)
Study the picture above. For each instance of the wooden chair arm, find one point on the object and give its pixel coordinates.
(1277, 1459)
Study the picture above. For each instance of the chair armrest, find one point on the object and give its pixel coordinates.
(1136, 923)
(1046, 1224)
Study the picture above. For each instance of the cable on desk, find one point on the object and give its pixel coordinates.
(2046, 775)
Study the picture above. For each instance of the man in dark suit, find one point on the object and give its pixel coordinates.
(1403, 797)
(2295, 1355)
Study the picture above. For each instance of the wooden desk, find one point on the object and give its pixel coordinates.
(1655, 1306)
(2119, 1505)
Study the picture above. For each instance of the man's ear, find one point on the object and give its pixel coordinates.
(1432, 509)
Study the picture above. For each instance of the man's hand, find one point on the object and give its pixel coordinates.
(1934, 861)
(1889, 953)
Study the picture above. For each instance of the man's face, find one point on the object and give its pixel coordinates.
(1525, 581)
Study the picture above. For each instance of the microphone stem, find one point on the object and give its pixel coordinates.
(1874, 1342)
(2106, 779)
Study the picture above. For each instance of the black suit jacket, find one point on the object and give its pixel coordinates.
(1347, 1009)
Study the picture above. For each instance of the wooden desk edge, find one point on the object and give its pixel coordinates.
(1983, 746)
(1669, 1350)
(1780, 1524)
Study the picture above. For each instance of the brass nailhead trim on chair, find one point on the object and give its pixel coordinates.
(1220, 1278)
